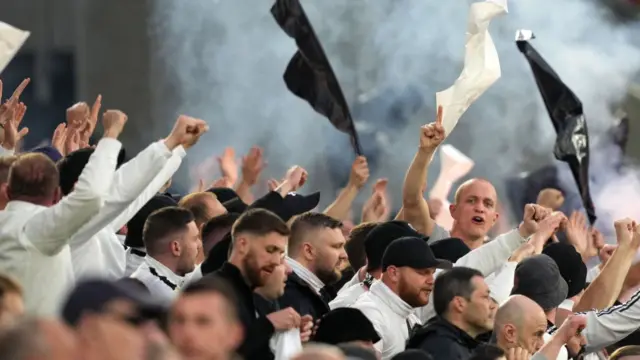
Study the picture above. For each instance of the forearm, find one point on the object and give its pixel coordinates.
(340, 208)
(244, 192)
(606, 287)
(416, 178)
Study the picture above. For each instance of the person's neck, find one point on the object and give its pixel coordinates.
(169, 261)
(471, 242)
(46, 202)
(462, 325)
(3, 203)
(377, 274)
(302, 261)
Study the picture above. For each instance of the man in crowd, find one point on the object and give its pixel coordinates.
(408, 268)
(316, 256)
(172, 241)
(204, 322)
(520, 322)
(259, 240)
(37, 225)
(464, 310)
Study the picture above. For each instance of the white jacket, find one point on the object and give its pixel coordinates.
(95, 249)
(163, 283)
(390, 316)
(34, 239)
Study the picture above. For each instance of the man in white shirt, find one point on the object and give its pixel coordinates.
(172, 240)
(136, 252)
(95, 249)
(36, 225)
(408, 267)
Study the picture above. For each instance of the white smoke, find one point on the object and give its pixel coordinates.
(226, 59)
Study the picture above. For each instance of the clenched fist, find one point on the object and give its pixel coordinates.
(186, 132)
(113, 122)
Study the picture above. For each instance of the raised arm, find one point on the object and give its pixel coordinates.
(340, 208)
(134, 177)
(50, 229)
(415, 208)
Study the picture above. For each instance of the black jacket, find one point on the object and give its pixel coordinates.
(301, 296)
(258, 329)
(443, 340)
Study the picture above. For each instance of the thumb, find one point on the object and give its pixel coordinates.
(529, 211)
(23, 132)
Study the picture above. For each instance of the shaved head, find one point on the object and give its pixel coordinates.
(465, 185)
(520, 322)
(474, 211)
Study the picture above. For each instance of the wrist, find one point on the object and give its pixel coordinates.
(522, 230)
(353, 186)
(110, 133)
(284, 188)
(428, 151)
(171, 143)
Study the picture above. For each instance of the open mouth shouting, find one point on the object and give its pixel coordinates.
(477, 220)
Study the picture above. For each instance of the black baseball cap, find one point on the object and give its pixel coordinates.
(382, 235)
(412, 252)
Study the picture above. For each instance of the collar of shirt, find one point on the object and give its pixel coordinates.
(21, 205)
(163, 271)
(306, 275)
(391, 299)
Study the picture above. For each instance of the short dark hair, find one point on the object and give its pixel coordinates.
(32, 175)
(259, 222)
(215, 284)
(452, 283)
(215, 229)
(163, 223)
(307, 222)
(355, 244)
(487, 352)
(5, 165)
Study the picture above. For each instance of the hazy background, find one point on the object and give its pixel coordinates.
(222, 60)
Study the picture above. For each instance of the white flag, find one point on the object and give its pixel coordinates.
(11, 40)
(481, 64)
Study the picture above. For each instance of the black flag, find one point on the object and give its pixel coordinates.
(567, 116)
(309, 74)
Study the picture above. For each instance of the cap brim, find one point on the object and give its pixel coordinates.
(443, 264)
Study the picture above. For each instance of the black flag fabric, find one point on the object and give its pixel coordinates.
(309, 74)
(565, 111)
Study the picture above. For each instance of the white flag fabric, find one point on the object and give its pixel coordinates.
(11, 40)
(481, 64)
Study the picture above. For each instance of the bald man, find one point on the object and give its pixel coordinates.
(520, 322)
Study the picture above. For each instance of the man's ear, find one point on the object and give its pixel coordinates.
(452, 210)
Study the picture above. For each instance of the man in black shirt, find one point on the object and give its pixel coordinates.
(259, 239)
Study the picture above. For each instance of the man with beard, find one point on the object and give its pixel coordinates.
(316, 255)
(464, 310)
(408, 267)
(259, 239)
